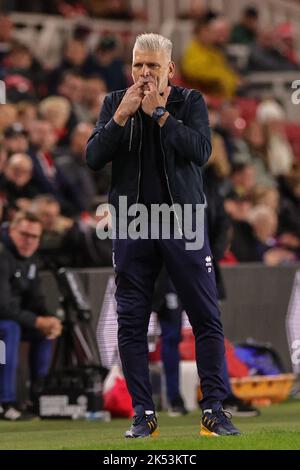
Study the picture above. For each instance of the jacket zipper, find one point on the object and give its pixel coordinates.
(131, 132)
(140, 165)
(168, 184)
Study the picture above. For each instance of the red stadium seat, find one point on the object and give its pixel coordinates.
(247, 108)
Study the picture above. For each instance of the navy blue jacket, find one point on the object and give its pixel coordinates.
(185, 142)
(21, 297)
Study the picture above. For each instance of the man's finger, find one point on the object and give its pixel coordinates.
(135, 86)
(152, 86)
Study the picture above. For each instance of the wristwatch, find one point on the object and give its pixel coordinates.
(158, 113)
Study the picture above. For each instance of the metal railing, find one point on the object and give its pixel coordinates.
(277, 85)
(46, 34)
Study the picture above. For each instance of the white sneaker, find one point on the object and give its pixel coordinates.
(11, 414)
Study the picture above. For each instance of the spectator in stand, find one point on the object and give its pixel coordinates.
(252, 238)
(93, 97)
(218, 159)
(27, 113)
(20, 62)
(204, 64)
(19, 88)
(221, 28)
(46, 175)
(3, 160)
(110, 65)
(255, 152)
(82, 244)
(279, 153)
(264, 196)
(1, 211)
(245, 31)
(76, 58)
(287, 250)
(57, 110)
(8, 116)
(23, 313)
(265, 54)
(243, 179)
(264, 222)
(55, 227)
(66, 242)
(238, 207)
(3, 157)
(6, 36)
(196, 10)
(16, 181)
(289, 185)
(71, 87)
(230, 126)
(71, 8)
(15, 139)
(72, 163)
(286, 42)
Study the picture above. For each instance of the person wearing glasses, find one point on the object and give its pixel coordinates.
(23, 313)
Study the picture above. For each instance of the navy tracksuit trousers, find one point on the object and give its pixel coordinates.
(39, 356)
(137, 264)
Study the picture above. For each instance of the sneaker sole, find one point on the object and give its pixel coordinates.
(154, 435)
(207, 433)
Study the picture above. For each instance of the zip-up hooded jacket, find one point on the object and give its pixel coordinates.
(185, 144)
(21, 298)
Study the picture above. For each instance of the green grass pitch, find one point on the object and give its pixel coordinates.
(278, 427)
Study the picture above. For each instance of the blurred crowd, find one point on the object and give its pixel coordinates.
(50, 113)
(213, 65)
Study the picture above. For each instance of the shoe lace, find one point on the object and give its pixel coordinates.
(222, 416)
(137, 419)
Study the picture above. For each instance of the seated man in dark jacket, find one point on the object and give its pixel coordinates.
(23, 314)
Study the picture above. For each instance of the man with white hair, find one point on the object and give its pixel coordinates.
(157, 137)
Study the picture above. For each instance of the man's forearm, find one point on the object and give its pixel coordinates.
(120, 118)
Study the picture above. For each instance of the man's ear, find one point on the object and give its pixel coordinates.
(171, 70)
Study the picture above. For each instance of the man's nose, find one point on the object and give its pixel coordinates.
(145, 71)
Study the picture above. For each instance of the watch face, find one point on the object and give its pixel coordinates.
(158, 112)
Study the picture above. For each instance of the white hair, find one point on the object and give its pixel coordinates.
(153, 42)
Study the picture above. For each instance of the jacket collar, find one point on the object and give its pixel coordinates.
(176, 95)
